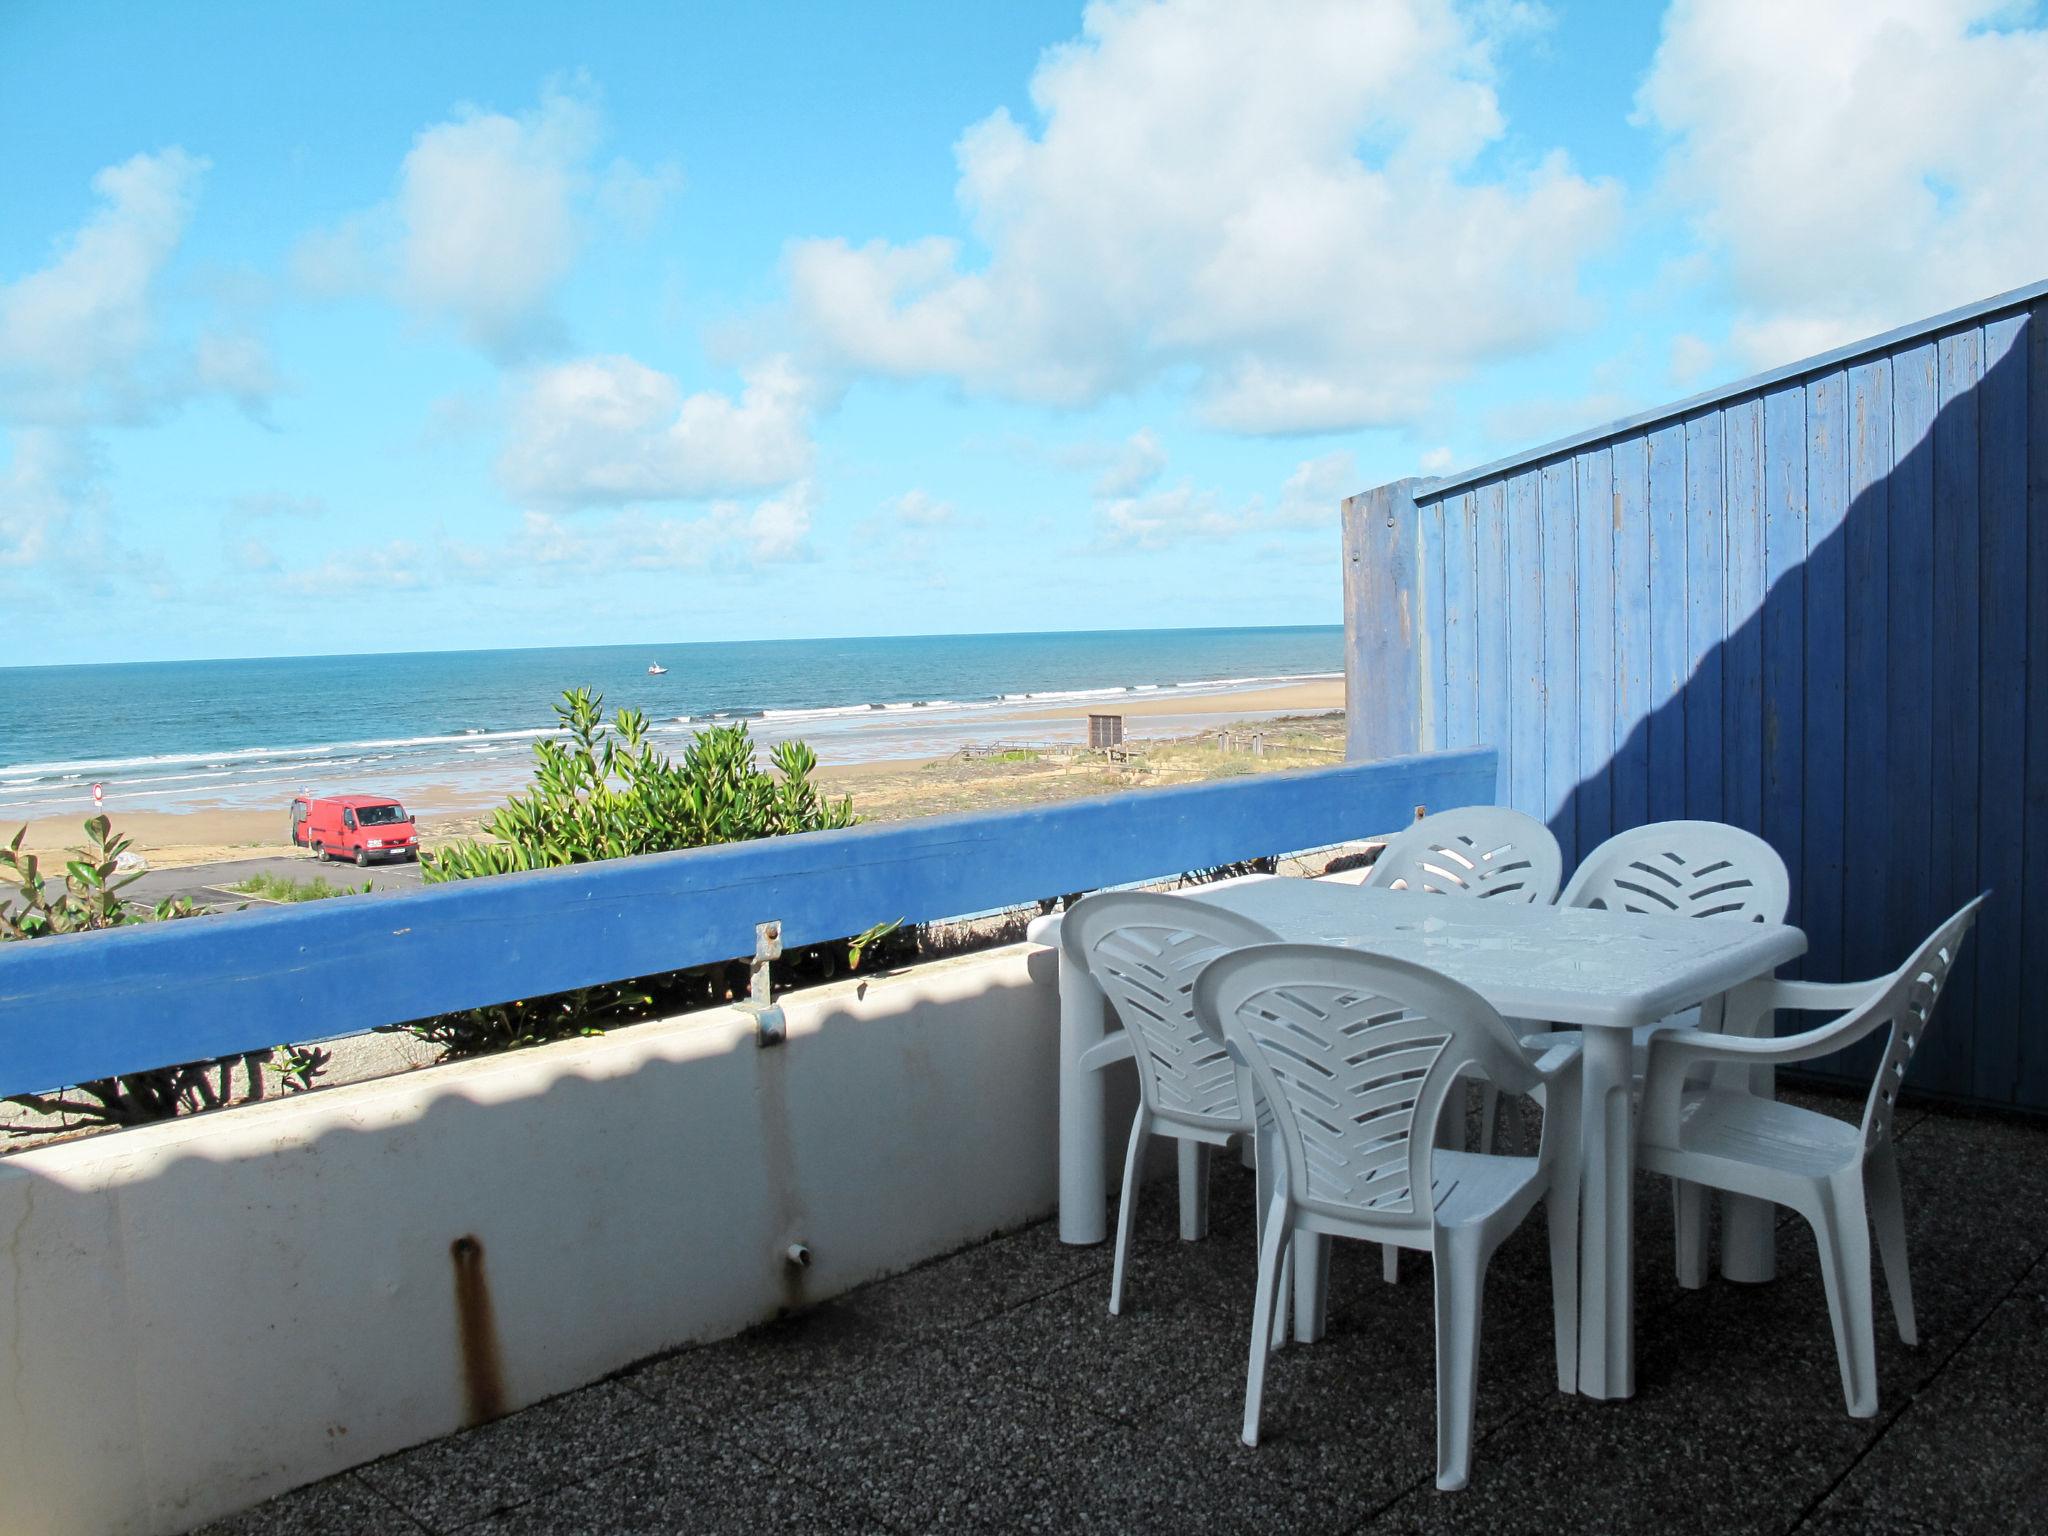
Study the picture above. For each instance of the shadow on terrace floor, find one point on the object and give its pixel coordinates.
(991, 1390)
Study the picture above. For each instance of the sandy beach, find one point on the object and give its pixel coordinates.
(884, 789)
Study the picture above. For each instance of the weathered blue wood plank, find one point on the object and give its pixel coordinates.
(1669, 658)
(1429, 625)
(2002, 749)
(1490, 619)
(1523, 760)
(1558, 493)
(1742, 670)
(1784, 624)
(1706, 617)
(1461, 639)
(1825, 745)
(1383, 710)
(1945, 1063)
(1595, 810)
(93, 1005)
(1910, 643)
(2032, 1078)
(1867, 832)
(1631, 632)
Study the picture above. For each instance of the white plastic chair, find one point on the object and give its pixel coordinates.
(1722, 1136)
(1485, 851)
(1144, 951)
(1674, 869)
(1354, 1055)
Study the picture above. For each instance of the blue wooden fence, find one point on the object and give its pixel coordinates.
(90, 1006)
(1813, 604)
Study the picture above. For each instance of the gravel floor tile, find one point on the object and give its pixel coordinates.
(341, 1506)
(767, 1364)
(976, 1284)
(924, 1440)
(451, 1482)
(703, 1487)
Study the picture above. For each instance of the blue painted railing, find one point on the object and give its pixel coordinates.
(1813, 604)
(90, 1006)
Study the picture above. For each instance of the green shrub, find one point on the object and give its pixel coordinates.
(606, 793)
(279, 888)
(88, 900)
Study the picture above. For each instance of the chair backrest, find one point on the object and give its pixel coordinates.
(1487, 851)
(1907, 1006)
(1144, 951)
(1684, 869)
(1354, 1054)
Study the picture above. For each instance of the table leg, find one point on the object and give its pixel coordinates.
(1084, 1188)
(1749, 1227)
(1607, 1362)
(1194, 1191)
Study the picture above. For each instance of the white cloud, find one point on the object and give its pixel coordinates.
(264, 504)
(1692, 359)
(609, 430)
(1310, 497)
(1858, 163)
(238, 366)
(488, 218)
(919, 509)
(1313, 496)
(730, 534)
(79, 338)
(48, 471)
(1283, 202)
(399, 565)
(1136, 465)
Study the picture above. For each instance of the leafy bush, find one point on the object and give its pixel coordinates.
(279, 888)
(607, 792)
(88, 900)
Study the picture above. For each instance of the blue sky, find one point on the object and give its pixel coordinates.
(382, 327)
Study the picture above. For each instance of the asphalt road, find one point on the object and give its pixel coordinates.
(204, 885)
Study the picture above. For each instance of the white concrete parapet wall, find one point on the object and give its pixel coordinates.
(200, 1314)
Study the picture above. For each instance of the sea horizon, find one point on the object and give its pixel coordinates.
(247, 732)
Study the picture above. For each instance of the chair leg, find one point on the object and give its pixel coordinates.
(1842, 1228)
(1390, 1264)
(1689, 1217)
(1194, 1191)
(1311, 1287)
(1268, 1174)
(1133, 1158)
(1489, 1112)
(1888, 1216)
(1561, 1209)
(1277, 1240)
(1460, 1294)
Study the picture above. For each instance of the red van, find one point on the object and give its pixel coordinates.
(360, 827)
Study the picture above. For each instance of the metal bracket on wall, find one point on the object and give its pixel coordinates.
(770, 1027)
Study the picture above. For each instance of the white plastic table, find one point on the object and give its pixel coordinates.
(1604, 972)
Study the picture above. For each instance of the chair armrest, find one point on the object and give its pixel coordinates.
(1823, 996)
(1673, 1053)
(1559, 1058)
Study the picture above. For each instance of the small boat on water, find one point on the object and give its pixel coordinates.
(657, 670)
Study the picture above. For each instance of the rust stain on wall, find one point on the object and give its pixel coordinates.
(483, 1369)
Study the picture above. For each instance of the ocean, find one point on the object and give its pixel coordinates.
(436, 725)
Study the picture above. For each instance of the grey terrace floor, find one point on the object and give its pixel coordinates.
(992, 1390)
